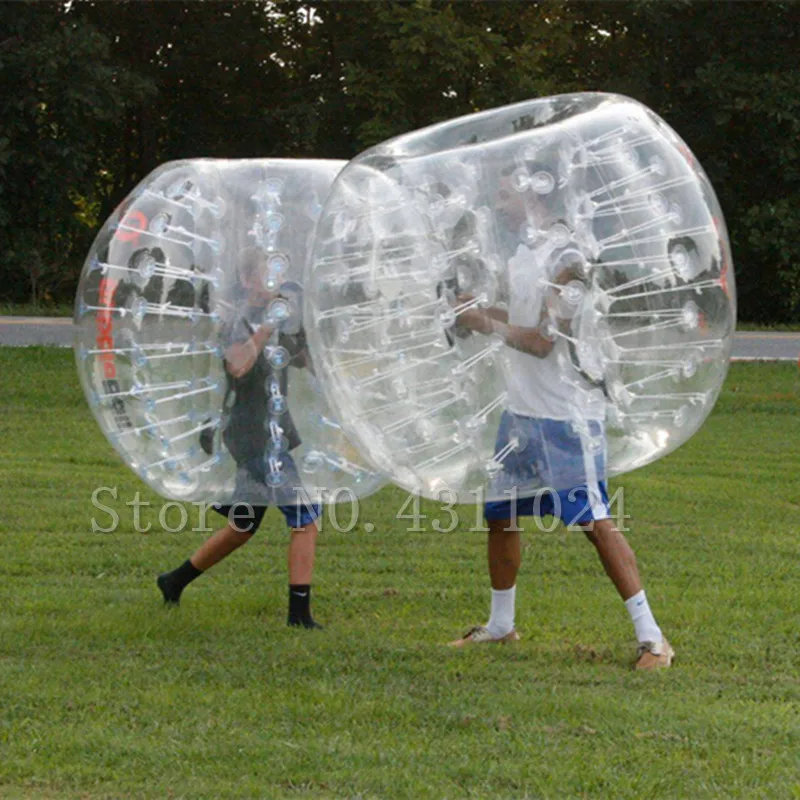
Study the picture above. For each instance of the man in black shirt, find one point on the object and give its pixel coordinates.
(259, 434)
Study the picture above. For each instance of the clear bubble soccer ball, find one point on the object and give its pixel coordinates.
(535, 296)
(191, 343)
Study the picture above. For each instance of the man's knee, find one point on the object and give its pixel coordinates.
(309, 529)
(597, 529)
(239, 532)
(244, 519)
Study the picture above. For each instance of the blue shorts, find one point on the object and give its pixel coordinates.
(551, 453)
(256, 496)
(247, 518)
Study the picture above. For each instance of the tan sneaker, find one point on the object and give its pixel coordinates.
(652, 655)
(480, 635)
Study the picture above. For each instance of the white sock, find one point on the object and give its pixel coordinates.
(644, 622)
(501, 620)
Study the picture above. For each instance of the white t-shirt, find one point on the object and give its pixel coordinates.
(537, 387)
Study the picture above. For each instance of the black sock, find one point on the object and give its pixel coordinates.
(300, 606)
(299, 601)
(173, 583)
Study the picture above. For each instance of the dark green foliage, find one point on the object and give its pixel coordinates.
(97, 94)
(63, 94)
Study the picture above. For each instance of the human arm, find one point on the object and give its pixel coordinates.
(241, 356)
(537, 341)
(488, 321)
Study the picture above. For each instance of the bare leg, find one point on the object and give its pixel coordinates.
(302, 547)
(503, 550)
(212, 551)
(218, 546)
(504, 553)
(620, 564)
(617, 556)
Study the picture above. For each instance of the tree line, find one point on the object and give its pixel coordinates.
(97, 94)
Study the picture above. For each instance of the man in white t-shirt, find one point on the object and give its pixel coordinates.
(558, 437)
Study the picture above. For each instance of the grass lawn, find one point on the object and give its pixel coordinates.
(105, 694)
(32, 310)
(778, 327)
(66, 310)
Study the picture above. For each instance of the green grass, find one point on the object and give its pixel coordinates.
(66, 310)
(104, 694)
(36, 310)
(778, 327)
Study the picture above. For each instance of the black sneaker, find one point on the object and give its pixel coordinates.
(172, 595)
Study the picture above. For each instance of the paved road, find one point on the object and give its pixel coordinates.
(20, 331)
(779, 346)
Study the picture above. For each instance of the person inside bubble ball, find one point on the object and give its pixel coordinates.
(539, 422)
(253, 422)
